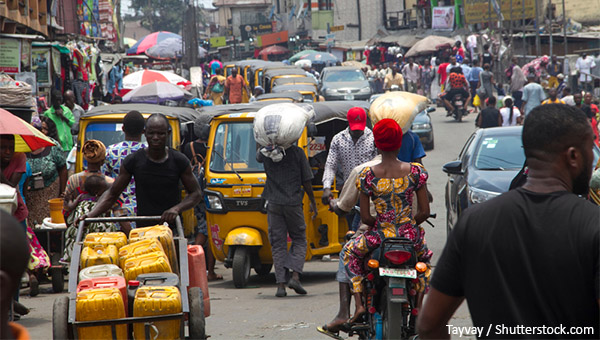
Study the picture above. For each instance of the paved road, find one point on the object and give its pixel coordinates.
(255, 313)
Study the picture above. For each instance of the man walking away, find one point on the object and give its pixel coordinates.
(283, 191)
(533, 94)
(554, 69)
(63, 118)
(490, 116)
(506, 252)
(234, 87)
(473, 79)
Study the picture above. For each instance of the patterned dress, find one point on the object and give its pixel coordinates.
(115, 154)
(392, 198)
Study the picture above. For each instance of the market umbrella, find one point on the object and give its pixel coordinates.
(129, 42)
(428, 44)
(297, 56)
(156, 93)
(167, 49)
(27, 138)
(320, 57)
(143, 77)
(275, 49)
(150, 40)
(355, 63)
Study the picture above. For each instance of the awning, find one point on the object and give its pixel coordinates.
(405, 40)
(357, 45)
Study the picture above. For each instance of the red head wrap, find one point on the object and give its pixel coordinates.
(388, 135)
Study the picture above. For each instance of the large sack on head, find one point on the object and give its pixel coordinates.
(400, 106)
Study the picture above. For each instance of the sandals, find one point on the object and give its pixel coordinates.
(323, 330)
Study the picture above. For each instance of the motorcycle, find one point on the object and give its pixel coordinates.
(459, 107)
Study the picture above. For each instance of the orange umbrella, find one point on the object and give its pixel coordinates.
(27, 138)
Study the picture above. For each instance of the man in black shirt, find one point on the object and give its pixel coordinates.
(528, 259)
(157, 171)
(490, 116)
(283, 190)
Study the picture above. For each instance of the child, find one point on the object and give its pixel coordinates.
(94, 187)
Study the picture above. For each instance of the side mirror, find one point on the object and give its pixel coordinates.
(453, 168)
(204, 132)
(311, 129)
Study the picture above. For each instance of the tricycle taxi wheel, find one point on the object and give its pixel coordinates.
(241, 267)
(197, 324)
(60, 325)
(264, 269)
(58, 280)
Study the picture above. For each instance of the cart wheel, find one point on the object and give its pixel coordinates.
(264, 269)
(241, 267)
(58, 280)
(60, 325)
(197, 324)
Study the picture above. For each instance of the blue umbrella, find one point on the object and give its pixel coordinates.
(167, 49)
(150, 40)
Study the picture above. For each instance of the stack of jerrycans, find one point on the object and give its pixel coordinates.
(150, 250)
(101, 298)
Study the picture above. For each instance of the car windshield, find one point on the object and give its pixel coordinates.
(108, 133)
(344, 76)
(499, 153)
(234, 148)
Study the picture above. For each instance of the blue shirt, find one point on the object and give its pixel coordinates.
(466, 69)
(411, 148)
(474, 74)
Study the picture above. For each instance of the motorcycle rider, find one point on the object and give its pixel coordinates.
(458, 85)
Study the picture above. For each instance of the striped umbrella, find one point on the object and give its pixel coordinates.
(150, 40)
(139, 78)
(27, 138)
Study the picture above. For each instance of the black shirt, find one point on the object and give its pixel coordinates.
(525, 258)
(285, 178)
(156, 184)
(489, 117)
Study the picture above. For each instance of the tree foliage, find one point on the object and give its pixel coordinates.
(159, 15)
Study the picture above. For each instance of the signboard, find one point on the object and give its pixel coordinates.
(336, 28)
(330, 39)
(218, 41)
(478, 11)
(248, 31)
(10, 55)
(443, 18)
(272, 39)
(40, 64)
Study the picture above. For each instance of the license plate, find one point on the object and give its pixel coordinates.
(348, 97)
(459, 102)
(408, 273)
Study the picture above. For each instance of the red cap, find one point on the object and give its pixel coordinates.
(388, 135)
(134, 283)
(357, 118)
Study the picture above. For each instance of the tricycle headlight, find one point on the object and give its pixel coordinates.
(213, 202)
(424, 126)
(479, 196)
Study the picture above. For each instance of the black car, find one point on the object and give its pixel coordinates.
(487, 164)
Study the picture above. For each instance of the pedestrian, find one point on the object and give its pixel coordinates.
(554, 68)
(349, 148)
(538, 230)
(466, 69)
(487, 57)
(472, 47)
(215, 64)
(517, 82)
(157, 170)
(63, 119)
(373, 77)
(285, 216)
(453, 63)
(393, 79)
(458, 51)
(552, 98)
(584, 66)
(426, 77)
(490, 116)
(533, 94)
(76, 110)
(410, 71)
(473, 79)
(587, 100)
(14, 256)
(486, 83)
(443, 74)
(258, 90)
(511, 116)
(381, 73)
(216, 87)
(567, 97)
(234, 87)
(133, 129)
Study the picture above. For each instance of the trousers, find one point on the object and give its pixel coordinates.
(286, 220)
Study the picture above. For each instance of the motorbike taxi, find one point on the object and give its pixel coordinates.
(236, 213)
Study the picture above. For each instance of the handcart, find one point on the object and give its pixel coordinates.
(64, 324)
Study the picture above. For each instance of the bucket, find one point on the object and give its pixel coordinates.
(56, 206)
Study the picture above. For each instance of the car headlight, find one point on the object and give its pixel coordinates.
(424, 126)
(479, 196)
(331, 91)
(213, 202)
(365, 89)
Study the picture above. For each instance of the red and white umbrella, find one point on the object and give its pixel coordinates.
(139, 78)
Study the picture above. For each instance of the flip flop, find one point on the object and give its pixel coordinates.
(323, 330)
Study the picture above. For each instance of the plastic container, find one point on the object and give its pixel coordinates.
(132, 287)
(56, 207)
(164, 236)
(158, 279)
(118, 239)
(99, 254)
(101, 270)
(105, 282)
(154, 301)
(8, 198)
(100, 304)
(197, 270)
(155, 262)
(139, 248)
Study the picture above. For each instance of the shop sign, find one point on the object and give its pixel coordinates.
(443, 18)
(336, 28)
(10, 55)
(272, 39)
(218, 41)
(478, 11)
(40, 64)
(250, 30)
(330, 40)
